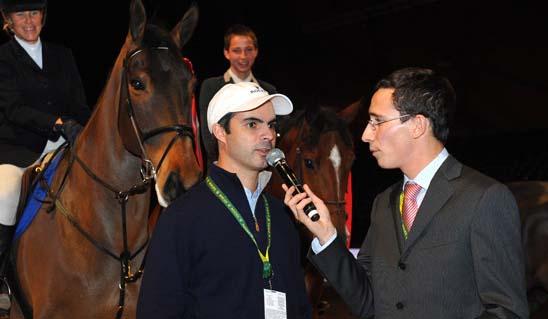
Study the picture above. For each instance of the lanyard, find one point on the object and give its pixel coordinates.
(267, 267)
(401, 215)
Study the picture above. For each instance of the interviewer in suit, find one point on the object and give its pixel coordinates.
(461, 256)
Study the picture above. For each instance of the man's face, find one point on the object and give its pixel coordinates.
(241, 54)
(389, 142)
(26, 25)
(252, 135)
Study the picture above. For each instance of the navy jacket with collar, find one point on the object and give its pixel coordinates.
(201, 263)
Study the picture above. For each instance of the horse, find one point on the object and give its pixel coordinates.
(83, 254)
(532, 200)
(319, 147)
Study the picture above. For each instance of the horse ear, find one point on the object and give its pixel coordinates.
(137, 20)
(349, 113)
(184, 29)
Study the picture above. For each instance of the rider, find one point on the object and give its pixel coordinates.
(41, 98)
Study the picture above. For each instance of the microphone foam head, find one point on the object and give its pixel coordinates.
(274, 156)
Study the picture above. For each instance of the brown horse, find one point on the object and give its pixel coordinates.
(83, 256)
(532, 199)
(319, 147)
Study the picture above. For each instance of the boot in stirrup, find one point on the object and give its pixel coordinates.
(6, 234)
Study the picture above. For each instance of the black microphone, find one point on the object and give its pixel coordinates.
(276, 159)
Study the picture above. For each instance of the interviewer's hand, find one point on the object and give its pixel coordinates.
(322, 228)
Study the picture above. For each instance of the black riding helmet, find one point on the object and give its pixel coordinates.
(8, 6)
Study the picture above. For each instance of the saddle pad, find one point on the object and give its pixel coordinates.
(36, 197)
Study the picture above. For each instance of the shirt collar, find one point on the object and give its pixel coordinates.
(262, 181)
(427, 173)
(230, 75)
(29, 47)
(34, 50)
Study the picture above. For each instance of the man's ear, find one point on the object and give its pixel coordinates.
(219, 133)
(225, 52)
(421, 125)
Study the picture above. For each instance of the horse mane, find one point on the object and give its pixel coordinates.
(321, 120)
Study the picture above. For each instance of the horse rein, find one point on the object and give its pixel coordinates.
(148, 173)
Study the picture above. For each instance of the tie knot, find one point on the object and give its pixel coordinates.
(412, 190)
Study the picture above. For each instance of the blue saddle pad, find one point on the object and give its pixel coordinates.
(37, 197)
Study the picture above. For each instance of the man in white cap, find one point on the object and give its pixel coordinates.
(226, 249)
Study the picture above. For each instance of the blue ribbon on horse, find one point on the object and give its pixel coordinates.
(37, 197)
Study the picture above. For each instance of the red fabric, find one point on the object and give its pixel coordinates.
(196, 130)
(410, 206)
(348, 208)
(195, 123)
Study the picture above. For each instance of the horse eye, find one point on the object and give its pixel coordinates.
(137, 84)
(309, 163)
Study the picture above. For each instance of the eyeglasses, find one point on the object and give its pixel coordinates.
(375, 124)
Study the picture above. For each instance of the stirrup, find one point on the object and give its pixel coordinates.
(5, 298)
(5, 283)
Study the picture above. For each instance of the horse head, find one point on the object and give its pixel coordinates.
(154, 91)
(319, 146)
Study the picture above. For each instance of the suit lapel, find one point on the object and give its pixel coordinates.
(439, 192)
(396, 217)
(22, 55)
(45, 54)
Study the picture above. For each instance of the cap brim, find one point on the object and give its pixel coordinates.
(282, 104)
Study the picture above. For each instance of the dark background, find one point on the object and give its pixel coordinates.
(331, 52)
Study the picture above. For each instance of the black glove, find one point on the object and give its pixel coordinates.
(69, 130)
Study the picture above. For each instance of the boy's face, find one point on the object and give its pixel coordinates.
(241, 54)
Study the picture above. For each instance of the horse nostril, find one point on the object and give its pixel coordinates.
(173, 187)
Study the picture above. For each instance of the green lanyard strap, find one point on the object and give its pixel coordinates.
(267, 267)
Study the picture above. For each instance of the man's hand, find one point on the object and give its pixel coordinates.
(69, 129)
(322, 228)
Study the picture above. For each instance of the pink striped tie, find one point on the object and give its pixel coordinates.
(410, 206)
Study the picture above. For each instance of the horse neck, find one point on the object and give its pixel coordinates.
(101, 147)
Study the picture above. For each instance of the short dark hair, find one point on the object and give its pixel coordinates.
(225, 121)
(422, 91)
(241, 30)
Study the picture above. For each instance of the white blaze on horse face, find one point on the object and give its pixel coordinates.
(335, 157)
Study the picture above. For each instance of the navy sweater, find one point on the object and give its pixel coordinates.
(201, 263)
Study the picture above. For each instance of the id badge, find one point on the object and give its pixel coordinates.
(274, 304)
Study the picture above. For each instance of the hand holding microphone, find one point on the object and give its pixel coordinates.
(276, 159)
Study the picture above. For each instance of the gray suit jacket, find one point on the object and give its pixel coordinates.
(463, 257)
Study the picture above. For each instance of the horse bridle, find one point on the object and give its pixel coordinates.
(339, 204)
(135, 146)
(135, 140)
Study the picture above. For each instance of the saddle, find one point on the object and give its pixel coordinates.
(31, 176)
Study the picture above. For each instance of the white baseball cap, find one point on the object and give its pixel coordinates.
(241, 97)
